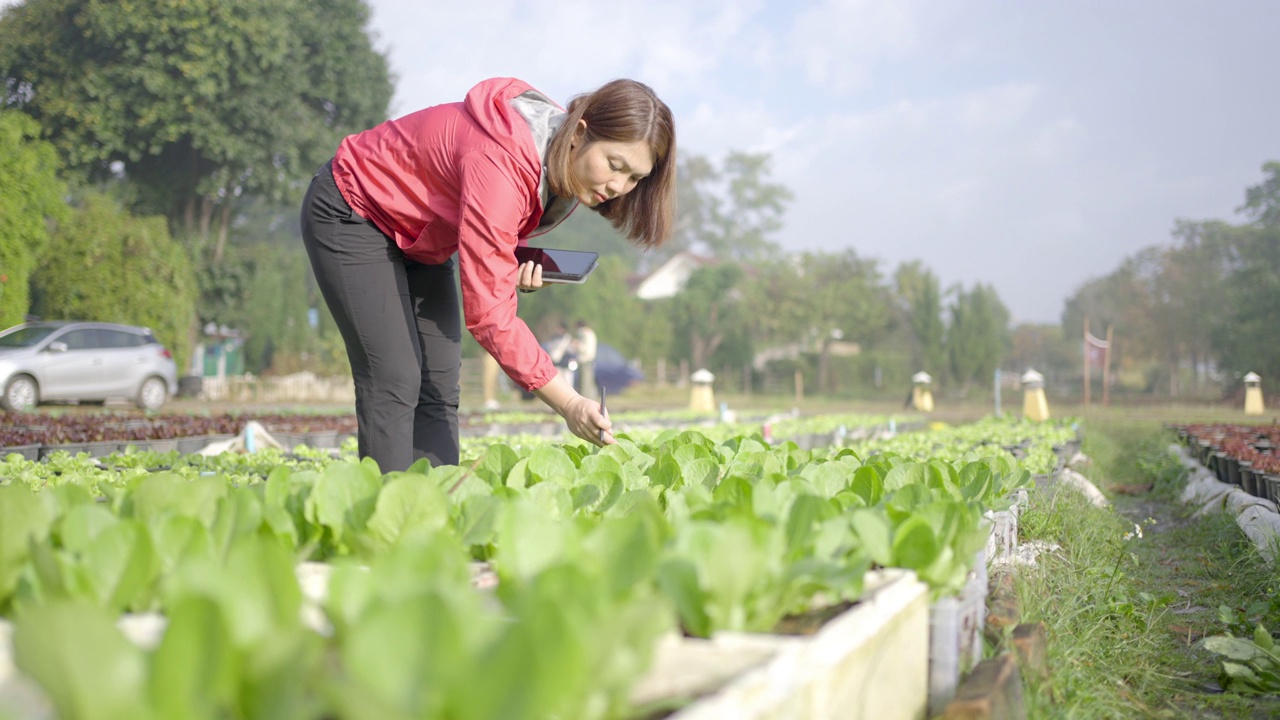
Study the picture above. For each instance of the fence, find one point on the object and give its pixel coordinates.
(309, 387)
(298, 387)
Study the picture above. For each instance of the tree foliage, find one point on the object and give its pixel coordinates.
(978, 335)
(32, 196)
(1043, 348)
(814, 300)
(1207, 302)
(635, 328)
(195, 102)
(920, 303)
(731, 211)
(709, 312)
(105, 264)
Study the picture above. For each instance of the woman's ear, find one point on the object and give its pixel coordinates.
(579, 134)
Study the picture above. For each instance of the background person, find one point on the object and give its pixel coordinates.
(383, 220)
(560, 350)
(585, 344)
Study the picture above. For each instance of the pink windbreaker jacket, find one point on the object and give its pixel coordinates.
(461, 177)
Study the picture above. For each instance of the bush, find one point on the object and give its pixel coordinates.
(104, 264)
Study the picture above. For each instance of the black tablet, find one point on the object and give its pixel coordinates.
(560, 266)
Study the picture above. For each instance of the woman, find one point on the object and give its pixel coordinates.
(383, 219)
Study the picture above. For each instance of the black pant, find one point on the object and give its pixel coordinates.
(402, 328)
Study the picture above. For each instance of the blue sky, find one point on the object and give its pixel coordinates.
(1028, 145)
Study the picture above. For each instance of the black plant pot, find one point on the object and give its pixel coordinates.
(1233, 472)
(1272, 481)
(1218, 463)
(1205, 453)
(1249, 480)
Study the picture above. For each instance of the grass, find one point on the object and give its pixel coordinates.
(1124, 612)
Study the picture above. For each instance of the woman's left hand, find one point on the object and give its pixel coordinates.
(529, 277)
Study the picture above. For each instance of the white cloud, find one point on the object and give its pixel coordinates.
(1004, 105)
(837, 42)
(976, 135)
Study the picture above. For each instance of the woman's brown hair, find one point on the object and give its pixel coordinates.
(624, 111)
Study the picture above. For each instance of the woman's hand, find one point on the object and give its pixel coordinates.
(529, 277)
(582, 416)
(585, 420)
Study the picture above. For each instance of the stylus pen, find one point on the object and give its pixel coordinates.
(603, 410)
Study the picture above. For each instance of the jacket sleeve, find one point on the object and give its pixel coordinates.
(493, 204)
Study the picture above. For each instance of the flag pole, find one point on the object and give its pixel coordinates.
(1106, 370)
(1087, 350)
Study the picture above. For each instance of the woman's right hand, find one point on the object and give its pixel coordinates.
(585, 420)
(582, 416)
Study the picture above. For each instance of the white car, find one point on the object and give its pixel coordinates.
(87, 362)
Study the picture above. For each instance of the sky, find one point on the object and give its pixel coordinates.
(1031, 146)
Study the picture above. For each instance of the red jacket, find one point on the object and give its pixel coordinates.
(459, 177)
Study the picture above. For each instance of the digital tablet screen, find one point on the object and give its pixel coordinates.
(560, 265)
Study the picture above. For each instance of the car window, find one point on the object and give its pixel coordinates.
(119, 339)
(84, 339)
(27, 336)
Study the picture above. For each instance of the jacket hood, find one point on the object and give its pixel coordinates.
(520, 118)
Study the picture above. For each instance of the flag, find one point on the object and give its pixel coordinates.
(1095, 350)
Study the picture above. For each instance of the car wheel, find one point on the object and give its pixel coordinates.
(152, 394)
(20, 394)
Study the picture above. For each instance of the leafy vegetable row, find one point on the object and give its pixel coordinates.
(598, 552)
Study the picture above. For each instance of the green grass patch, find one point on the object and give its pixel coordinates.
(1134, 587)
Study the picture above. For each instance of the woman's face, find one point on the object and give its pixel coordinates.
(607, 169)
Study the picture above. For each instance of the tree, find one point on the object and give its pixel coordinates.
(1163, 301)
(1247, 341)
(1044, 349)
(708, 312)
(197, 103)
(1262, 202)
(732, 211)
(105, 264)
(816, 299)
(978, 335)
(639, 330)
(32, 196)
(695, 202)
(920, 301)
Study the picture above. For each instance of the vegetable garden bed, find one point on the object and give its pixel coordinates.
(597, 554)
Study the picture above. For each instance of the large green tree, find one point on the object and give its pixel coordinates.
(31, 195)
(197, 103)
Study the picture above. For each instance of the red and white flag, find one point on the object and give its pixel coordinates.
(1095, 350)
